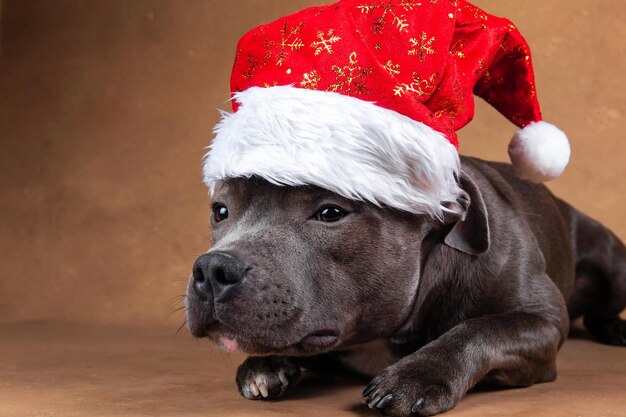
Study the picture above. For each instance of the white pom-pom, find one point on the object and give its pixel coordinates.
(539, 152)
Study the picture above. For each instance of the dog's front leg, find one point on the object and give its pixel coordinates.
(267, 377)
(516, 349)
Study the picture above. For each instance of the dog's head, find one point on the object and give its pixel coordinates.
(301, 270)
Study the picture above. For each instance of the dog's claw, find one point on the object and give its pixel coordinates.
(418, 406)
(263, 390)
(371, 400)
(368, 389)
(254, 389)
(283, 378)
(384, 401)
(267, 378)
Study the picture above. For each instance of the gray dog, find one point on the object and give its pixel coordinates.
(299, 275)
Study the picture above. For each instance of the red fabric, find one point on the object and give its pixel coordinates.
(424, 59)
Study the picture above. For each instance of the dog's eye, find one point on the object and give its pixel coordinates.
(220, 213)
(330, 214)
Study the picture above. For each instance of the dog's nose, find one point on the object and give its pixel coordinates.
(217, 272)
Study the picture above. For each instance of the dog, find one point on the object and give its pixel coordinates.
(298, 276)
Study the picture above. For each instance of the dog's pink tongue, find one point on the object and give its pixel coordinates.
(229, 344)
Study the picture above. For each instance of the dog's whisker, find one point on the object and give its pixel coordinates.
(171, 313)
(178, 297)
(181, 326)
(173, 303)
(175, 309)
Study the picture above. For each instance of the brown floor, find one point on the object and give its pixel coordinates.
(54, 369)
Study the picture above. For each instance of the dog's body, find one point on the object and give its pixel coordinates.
(429, 308)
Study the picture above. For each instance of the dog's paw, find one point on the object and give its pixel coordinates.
(267, 378)
(412, 389)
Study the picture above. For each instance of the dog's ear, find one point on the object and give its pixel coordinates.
(470, 233)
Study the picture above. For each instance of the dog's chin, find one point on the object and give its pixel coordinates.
(312, 343)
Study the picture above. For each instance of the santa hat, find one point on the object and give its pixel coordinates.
(364, 98)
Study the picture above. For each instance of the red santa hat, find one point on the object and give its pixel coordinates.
(364, 98)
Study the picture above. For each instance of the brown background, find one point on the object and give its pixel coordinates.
(105, 109)
(106, 106)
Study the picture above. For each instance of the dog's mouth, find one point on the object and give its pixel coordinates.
(323, 338)
(315, 342)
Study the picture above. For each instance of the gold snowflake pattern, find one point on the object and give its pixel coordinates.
(310, 80)
(325, 42)
(421, 87)
(452, 107)
(350, 79)
(289, 41)
(457, 49)
(449, 109)
(253, 63)
(392, 69)
(387, 9)
(422, 46)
